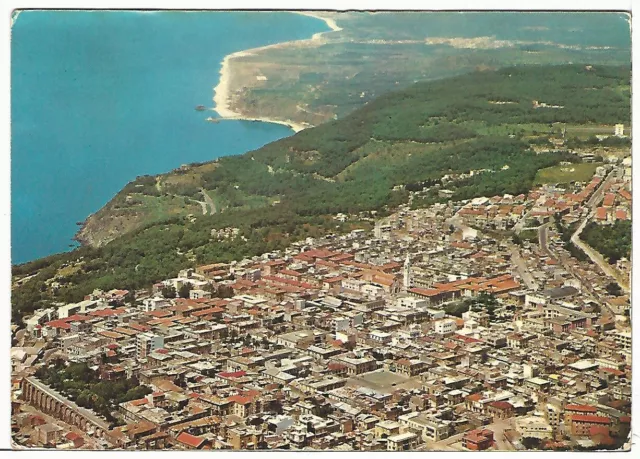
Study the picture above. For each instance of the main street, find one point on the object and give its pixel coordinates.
(523, 271)
(543, 232)
(567, 263)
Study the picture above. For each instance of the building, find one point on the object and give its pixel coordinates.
(48, 434)
(623, 339)
(146, 343)
(478, 440)
(535, 427)
(445, 326)
(581, 424)
(619, 130)
(402, 442)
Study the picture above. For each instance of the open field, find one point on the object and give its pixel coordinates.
(582, 131)
(566, 173)
(384, 381)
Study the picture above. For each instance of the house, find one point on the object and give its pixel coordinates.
(402, 442)
(581, 424)
(188, 441)
(478, 440)
(500, 410)
(74, 439)
(245, 405)
(48, 434)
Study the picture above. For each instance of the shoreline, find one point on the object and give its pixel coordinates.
(222, 96)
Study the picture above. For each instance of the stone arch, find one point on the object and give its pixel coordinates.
(39, 399)
(74, 418)
(99, 433)
(83, 423)
(49, 404)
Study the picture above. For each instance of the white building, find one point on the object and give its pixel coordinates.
(153, 304)
(411, 302)
(534, 426)
(445, 326)
(146, 343)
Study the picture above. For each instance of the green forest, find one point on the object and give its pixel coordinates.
(612, 241)
(290, 189)
(84, 386)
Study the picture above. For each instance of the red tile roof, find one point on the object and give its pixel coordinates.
(241, 399)
(59, 323)
(77, 318)
(591, 419)
(475, 397)
(190, 440)
(234, 374)
(621, 214)
(582, 408)
(501, 405)
(107, 312)
(608, 200)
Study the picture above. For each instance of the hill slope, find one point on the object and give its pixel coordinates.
(313, 81)
(289, 190)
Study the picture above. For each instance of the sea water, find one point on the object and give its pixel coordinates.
(98, 98)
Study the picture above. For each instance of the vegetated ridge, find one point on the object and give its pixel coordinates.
(291, 189)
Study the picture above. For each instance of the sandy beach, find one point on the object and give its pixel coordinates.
(222, 96)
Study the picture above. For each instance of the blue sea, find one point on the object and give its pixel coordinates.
(98, 98)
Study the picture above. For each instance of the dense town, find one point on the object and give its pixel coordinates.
(434, 331)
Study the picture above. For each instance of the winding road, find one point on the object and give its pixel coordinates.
(208, 202)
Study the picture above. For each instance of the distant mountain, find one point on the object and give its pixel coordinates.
(318, 80)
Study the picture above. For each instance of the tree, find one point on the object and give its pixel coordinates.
(224, 291)
(130, 298)
(531, 442)
(613, 289)
(185, 290)
(169, 291)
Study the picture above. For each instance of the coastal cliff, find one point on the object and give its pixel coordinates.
(376, 148)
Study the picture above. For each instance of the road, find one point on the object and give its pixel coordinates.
(591, 253)
(523, 271)
(575, 239)
(598, 259)
(543, 233)
(208, 201)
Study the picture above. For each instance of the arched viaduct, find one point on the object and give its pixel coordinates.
(54, 404)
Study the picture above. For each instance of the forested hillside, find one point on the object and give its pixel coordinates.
(290, 189)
